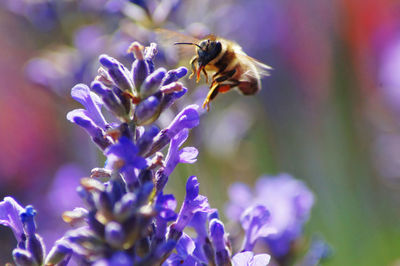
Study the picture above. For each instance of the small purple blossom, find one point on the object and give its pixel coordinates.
(255, 221)
(184, 256)
(187, 118)
(117, 72)
(193, 203)
(288, 201)
(9, 216)
(175, 156)
(91, 102)
(152, 82)
(218, 237)
(165, 206)
(124, 154)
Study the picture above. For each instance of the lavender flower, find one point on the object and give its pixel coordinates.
(288, 202)
(255, 221)
(9, 216)
(184, 256)
(30, 249)
(218, 237)
(193, 203)
(92, 104)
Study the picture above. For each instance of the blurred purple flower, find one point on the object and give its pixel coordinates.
(255, 221)
(42, 14)
(288, 201)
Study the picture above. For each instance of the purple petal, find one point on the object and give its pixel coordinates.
(187, 118)
(185, 245)
(193, 203)
(217, 234)
(261, 259)
(173, 156)
(188, 155)
(192, 188)
(91, 101)
(248, 258)
(9, 216)
(256, 223)
(240, 197)
(117, 72)
(180, 138)
(242, 258)
(77, 113)
(166, 204)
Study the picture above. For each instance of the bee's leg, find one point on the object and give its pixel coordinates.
(205, 74)
(213, 92)
(193, 64)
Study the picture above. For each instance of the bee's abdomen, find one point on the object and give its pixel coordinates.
(249, 87)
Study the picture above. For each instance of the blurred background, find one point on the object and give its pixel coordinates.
(329, 114)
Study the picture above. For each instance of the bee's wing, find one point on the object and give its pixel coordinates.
(168, 38)
(262, 69)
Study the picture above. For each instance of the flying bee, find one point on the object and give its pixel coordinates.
(231, 67)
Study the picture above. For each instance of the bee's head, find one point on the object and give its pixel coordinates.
(207, 51)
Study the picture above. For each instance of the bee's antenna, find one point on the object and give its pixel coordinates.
(188, 43)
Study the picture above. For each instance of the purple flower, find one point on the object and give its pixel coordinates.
(118, 73)
(140, 67)
(389, 73)
(256, 224)
(152, 82)
(124, 155)
(34, 243)
(91, 102)
(217, 235)
(175, 156)
(112, 102)
(9, 216)
(23, 257)
(148, 110)
(146, 139)
(288, 201)
(174, 75)
(199, 223)
(79, 117)
(165, 206)
(184, 256)
(193, 203)
(61, 252)
(249, 259)
(187, 118)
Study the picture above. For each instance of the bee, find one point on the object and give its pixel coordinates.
(231, 67)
